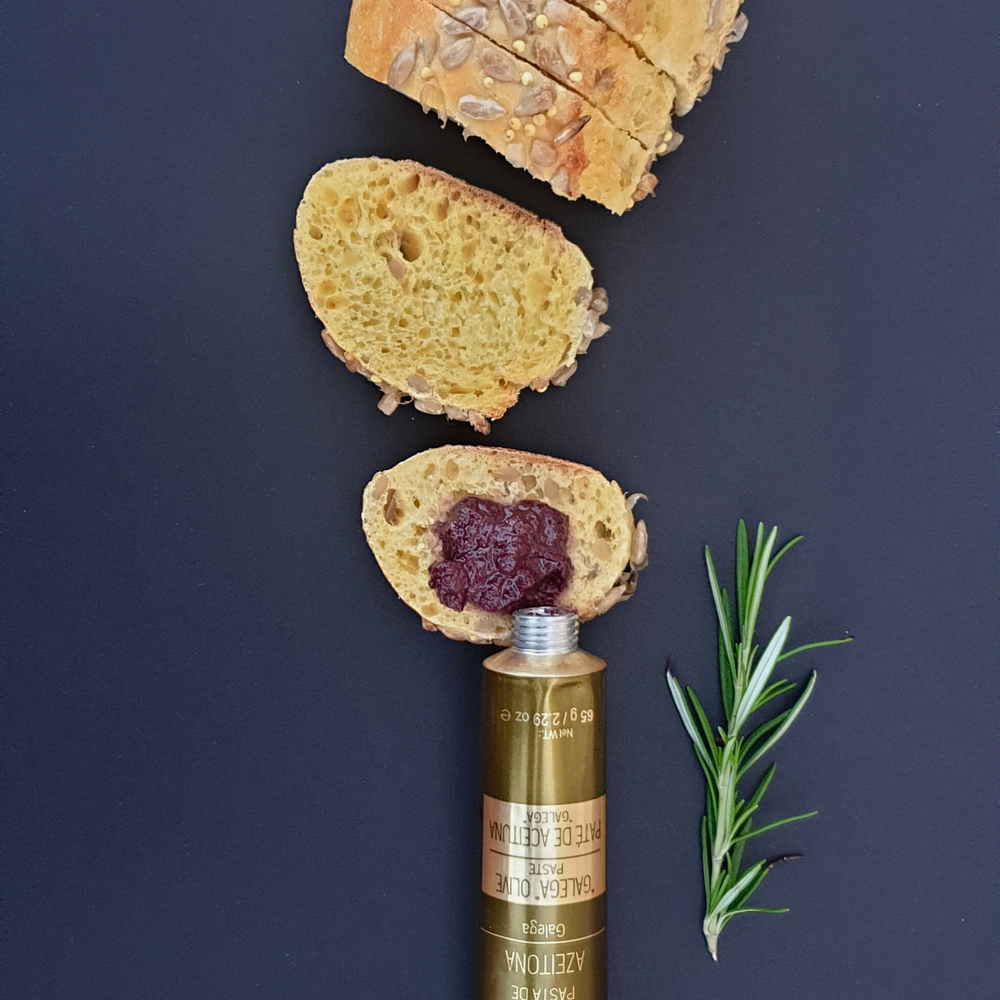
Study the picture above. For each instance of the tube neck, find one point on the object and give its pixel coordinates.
(545, 631)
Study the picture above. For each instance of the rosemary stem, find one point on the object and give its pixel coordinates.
(711, 929)
(725, 802)
(724, 756)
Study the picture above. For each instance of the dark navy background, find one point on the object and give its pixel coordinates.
(233, 764)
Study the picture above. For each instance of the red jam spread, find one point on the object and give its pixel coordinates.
(501, 557)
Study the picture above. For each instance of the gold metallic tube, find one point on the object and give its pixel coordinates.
(542, 903)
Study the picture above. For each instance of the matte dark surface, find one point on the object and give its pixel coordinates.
(235, 767)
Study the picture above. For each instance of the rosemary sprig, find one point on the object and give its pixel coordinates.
(724, 754)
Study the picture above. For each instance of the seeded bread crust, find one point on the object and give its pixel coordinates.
(583, 54)
(532, 120)
(440, 292)
(401, 506)
(685, 38)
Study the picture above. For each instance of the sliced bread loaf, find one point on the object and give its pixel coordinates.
(440, 292)
(402, 507)
(582, 53)
(531, 119)
(685, 38)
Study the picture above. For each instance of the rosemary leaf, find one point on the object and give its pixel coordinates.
(726, 680)
(811, 645)
(721, 611)
(742, 573)
(781, 552)
(762, 785)
(736, 854)
(760, 674)
(706, 727)
(707, 760)
(775, 690)
(776, 823)
(793, 714)
(761, 732)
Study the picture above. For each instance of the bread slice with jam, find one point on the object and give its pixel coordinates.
(406, 510)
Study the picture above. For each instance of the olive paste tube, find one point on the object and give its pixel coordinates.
(542, 902)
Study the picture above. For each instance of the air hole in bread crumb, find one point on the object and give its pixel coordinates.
(349, 214)
(410, 246)
(315, 232)
(408, 184)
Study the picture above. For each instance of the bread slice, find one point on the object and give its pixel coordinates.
(583, 54)
(440, 292)
(401, 506)
(685, 38)
(532, 120)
